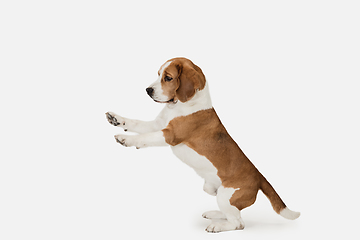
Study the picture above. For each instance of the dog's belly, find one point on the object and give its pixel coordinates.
(202, 166)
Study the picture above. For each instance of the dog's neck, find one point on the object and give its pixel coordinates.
(200, 101)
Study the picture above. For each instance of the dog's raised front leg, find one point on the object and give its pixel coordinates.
(142, 140)
(132, 125)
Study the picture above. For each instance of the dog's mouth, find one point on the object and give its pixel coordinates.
(168, 101)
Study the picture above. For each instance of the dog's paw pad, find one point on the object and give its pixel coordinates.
(120, 140)
(114, 119)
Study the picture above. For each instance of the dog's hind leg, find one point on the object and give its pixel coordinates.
(231, 212)
(214, 215)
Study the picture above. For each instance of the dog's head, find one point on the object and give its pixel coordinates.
(179, 79)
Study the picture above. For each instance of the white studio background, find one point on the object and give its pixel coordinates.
(284, 78)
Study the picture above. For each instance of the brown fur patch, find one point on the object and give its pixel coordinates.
(204, 132)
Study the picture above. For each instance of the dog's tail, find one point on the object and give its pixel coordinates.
(276, 202)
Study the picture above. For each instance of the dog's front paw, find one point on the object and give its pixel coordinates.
(127, 141)
(112, 119)
(121, 139)
(115, 120)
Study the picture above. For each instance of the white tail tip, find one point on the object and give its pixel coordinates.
(288, 214)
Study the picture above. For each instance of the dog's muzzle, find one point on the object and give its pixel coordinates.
(150, 92)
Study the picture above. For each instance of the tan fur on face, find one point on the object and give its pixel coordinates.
(187, 79)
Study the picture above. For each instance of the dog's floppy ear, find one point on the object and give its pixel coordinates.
(191, 79)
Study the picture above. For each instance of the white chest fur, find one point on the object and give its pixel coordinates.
(202, 166)
(200, 101)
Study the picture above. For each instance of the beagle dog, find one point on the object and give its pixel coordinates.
(190, 125)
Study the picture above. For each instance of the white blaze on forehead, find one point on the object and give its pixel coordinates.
(161, 71)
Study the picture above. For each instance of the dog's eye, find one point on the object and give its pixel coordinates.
(168, 79)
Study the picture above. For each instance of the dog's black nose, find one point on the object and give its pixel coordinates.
(150, 91)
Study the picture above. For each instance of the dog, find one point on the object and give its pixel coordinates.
(190, 126)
